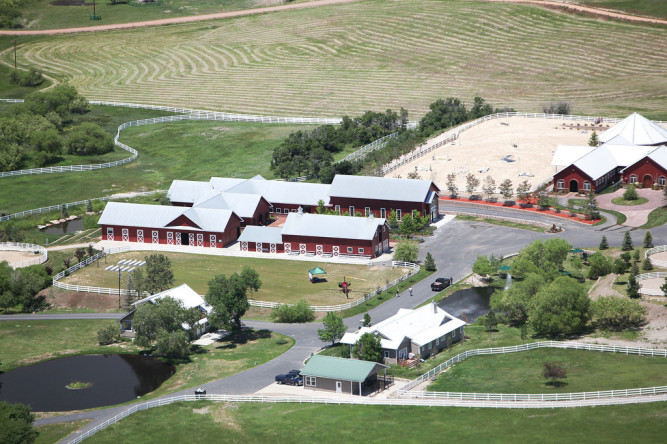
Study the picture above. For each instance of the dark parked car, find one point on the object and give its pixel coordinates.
(293, 377)
(440, 284)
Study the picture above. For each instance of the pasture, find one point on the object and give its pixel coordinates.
(282, 280)
(651, 8)
(345, 59)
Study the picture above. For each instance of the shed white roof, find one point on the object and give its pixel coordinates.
(659, 156)
(267, 235)
(183, 293)
(566, 155)
(635, 130)
(186, 190)
(338, 227)
(244, 205)
(421, 326)
(380, 188)
(275, 191)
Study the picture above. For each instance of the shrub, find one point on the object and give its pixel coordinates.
(299, 312)
(89, 139)
(406, 251)
(630, 193)
(618, 313)
(600, 266)
(107, 335)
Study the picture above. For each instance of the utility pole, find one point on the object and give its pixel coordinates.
(14, 53)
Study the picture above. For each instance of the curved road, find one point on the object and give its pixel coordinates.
(454, 246)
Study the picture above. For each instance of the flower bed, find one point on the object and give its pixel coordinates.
(565, 214)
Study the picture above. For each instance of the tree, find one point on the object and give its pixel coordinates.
(542, 257)
(627, 242)
(553, 371)
(334, 328)
(162, 315)
(229, 297)
(489, 186)
(321, 208)
(516, 300)
(626, 257)
(88, 139)
(451, 185)
(663, 288)
(367, 320)
(159, 276)
(633, 287)
(16, 424)
(604, 245)
(482, 266)
(560, 308)
(523, 192)
(630, 193)
(392, 220)
(172, 344)
(471, 184)
(506, 189)
(490, 321)
(617, 313)
(299, 312)
(89, 206)
(619, 266)
(600, 266)
(590, 207)
(368, 348)
(407, 225)
(106, 335)
(635, 255)
(406, 251)
(647, 265)
(429, 263)
(593, 140)
(648, 240)
(556, 107)
(577, 266)
(80, 253)
(543, 200)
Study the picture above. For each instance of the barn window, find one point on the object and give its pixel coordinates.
(361, 251)
(633, 178)
(367, 211)
(662, 181)
(271, 209)
(351, 211)
(399, 215)
(293, 210)
(311, 381)
(587, 186)
(337, 207)
(383, 213)
(560, 184)
(350, 250)
(109, 231)
(386, 353)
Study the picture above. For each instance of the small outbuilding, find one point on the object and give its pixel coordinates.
(349, 376)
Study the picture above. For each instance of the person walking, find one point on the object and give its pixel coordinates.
(410, 291)
(397, 295)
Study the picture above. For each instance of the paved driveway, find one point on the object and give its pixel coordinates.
(637, 214)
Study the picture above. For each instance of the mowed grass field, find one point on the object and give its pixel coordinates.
(651, 8)
(374, 54)
(522, 372)
(282, 280)
(296, 423)
(193, 150)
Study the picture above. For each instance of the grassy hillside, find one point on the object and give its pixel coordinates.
(376, 54)
(651, 8)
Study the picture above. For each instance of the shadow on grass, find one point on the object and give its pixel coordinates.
(556, 384)
(242, 337)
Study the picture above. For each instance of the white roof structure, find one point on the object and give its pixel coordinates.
(183, 293)
(635, 130)
(338, 227)
(267, 235)
(380, 188)
(275, 191)
(566, 155)
(599, 161)
(421, 326)
(658, 155)
(162, 216)
(244, 205)
(225, 183)
(186, 190)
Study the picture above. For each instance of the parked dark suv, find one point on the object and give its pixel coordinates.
(291, 378)
(440, 284)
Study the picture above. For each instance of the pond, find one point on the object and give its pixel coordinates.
(468, 304)
(71, 226)
(115, 379)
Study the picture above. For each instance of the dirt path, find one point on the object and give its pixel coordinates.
(175, 20)
(603, 287)
(590, 10)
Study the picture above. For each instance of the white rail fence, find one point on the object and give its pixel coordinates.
(70, 204)
(656, 250)
(86, 289)
(373, 146)
(652, 275)
(41, 254)
(403, 391)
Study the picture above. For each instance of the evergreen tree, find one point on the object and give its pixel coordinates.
(648, 240)
(604, 245)
(490, 321)
(429, 263)
(627, 242)
(367, 320)
(593, 141)
(633, 287)
(663, 287)
(647, 265)
(635, 255)
(634, 270)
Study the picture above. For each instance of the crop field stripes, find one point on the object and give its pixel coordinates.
(345, 59)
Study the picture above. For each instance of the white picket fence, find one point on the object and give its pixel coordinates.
(373, 146)
(651, 275)
(656, 250)
(404, 391)
(41, 257)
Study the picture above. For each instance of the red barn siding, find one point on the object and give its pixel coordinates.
(645, 167)
(369, 247)
(423, 208)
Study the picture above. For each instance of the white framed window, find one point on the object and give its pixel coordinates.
(560, 184)
(386, 353)
(367, 211)
(351, 211)
(587, 185)
(311, 381)
(662, 181)
(383, 213)
(361, 251)
(633, 178)
(337, 208)
(109, 231)
(350, 250)
(399, 215)
(413, 212)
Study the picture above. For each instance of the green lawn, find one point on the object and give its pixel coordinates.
(294, 423)
(503, 223)
(51, 433)
(656, 218)
(186, 150)
(282, 280)
(375, 54)
(522, 372)
(630, 203)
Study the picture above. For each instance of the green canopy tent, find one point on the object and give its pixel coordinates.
(577, 250)
(314, 272)
(505, 268)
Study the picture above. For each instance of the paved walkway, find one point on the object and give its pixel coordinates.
(637, 214)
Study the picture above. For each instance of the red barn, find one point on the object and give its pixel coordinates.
(158, 224)
(381, 195)
(262, 239)
(649, 170)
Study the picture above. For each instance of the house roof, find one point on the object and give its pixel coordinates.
(186, 190)
(338, 227)
(380, 188)
(635, 130)
(340, 368)
(244, 205)
(275, 191)
(162, 216)
(268, 235)
(183, 293)
(421, 326)
(658, 155)
(225, 183)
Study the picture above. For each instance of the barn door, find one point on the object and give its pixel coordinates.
(318, 250)
(156, 237)
(191, 239)
(244, 246)
(126, 235)
(200, 240)
(110, 233)
(273, 248)
(386, 244)
(302, 248)
(335, 250)
(212, 241)
(179, 238)
(170, 238)
(258, 246)
(140, 236)
(288, 248)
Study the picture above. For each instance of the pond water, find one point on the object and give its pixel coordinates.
(65, 227)
(115, 379)
(468, 304)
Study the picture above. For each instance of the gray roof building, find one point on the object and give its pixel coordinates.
(340, 227)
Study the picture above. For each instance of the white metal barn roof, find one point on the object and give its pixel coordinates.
(182, 293)
(566, 155)
(275, 191)
(186, 190)
(635, 130)
(267, 235)
(380, 188)
(161, 216)
(244, 205)
(338, 227)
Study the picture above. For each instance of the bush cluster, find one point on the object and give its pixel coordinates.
(299, 312)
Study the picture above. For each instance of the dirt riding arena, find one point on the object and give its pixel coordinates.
(514, 148)
(18, 258)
